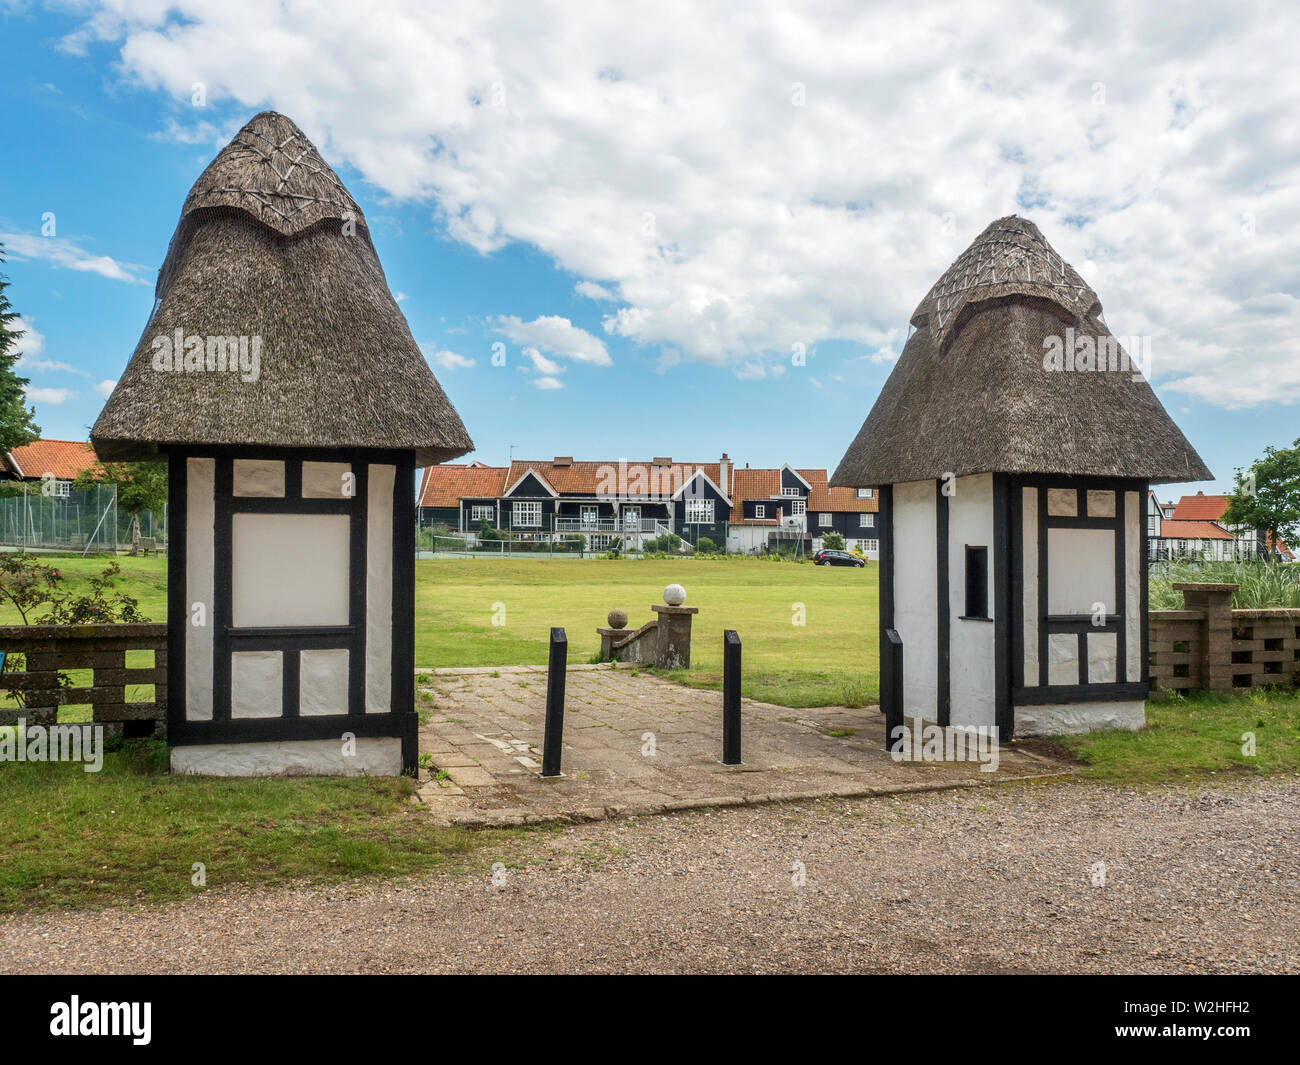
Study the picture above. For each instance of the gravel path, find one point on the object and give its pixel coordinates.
(1196, 880)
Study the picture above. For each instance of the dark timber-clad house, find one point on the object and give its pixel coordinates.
(1013, 446)
(737, 508)
(281, 384)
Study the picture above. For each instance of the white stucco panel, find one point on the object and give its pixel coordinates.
(200, 525)
(379, 588)
(1103, 652)
(290, 569)
(1133, 565)
(916, 594)
(1061, 719)
(971, 656)
(323, 682)
(256, 684)
(1062, 658)
(327, 480)
(1029, 594)
(374, 756)
(259, 477)
(1080, 570)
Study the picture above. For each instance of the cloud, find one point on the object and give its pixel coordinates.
(29, 346)
(448, 360)
(62, 252)
(751, 371)
(50, 396)
(593, 291)
(804, 174)
(541, 363)
(548, 383)
(105, 388)
(557, 335)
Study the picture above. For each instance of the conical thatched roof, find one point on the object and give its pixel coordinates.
(971, 393)
(271, 245)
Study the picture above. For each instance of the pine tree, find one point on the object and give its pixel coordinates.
(16, 424)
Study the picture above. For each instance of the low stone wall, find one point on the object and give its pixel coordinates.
(1211, 646)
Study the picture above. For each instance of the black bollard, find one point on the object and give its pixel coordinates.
(730, 698)
(553, 741)
(891, 683)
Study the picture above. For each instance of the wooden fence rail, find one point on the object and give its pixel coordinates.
(50, 652)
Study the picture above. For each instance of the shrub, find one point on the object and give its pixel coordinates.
(705, 546)
(832, 541)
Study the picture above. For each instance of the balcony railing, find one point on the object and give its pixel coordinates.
(605, 525)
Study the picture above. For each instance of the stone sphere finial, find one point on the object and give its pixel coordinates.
(674, 595)
(617, 619)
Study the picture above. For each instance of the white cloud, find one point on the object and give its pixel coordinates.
(59, 251)
(448, 360)
(751, 371)
(30, 345)
(592, 291)
(105, 388)
(541, 363)
(50, 396)
(548, 383)
(734, 215)
(557, 335)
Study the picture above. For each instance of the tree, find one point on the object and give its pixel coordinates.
(832, 541)
(16, 425)
(1266, 497)
(140, 486)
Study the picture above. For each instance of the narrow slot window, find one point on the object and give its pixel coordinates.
(977, 582)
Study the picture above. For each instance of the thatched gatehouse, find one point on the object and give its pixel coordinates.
(1012, 445)
(280, 382)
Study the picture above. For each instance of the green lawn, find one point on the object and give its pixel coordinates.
(1191, 737)
(130, 834)
(832, 657)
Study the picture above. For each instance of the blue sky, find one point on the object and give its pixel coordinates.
(651, 222)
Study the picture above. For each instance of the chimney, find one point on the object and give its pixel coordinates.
(724, 474)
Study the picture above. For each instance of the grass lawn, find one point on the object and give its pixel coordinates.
(831, 658)
(1190, 737)
(129, 834)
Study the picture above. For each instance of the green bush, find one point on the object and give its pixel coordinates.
(705, 546)
(1260, 584)
(832, 541)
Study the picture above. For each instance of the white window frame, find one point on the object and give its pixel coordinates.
(785, 491)
(64, 490)
(479, 511)
(870, 545)
(866, 493)
(631, 518)
(531, 507)
(760, 510)
(824, 519)
(798, 507)
(866, 521)
(696, 507)
(589, 514)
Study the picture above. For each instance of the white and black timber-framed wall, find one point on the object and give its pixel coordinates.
(300, 565)
(1051, 636)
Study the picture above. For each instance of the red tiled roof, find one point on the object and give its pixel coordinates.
(448, 484)
(613, 477)
(63, 458)
(1200, 507)
(1174, 529)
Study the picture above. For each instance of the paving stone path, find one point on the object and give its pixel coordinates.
(637, 744)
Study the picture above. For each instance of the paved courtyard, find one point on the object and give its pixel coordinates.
(637, 744)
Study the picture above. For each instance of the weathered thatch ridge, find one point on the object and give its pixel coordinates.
(271, 246)
(970, 393)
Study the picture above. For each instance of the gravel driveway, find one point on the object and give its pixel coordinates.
(997, 880)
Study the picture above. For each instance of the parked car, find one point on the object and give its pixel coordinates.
(837, 558)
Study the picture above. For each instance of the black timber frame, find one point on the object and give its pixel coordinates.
(1080, 625)
(400, 721)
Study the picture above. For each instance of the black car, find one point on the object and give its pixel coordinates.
(837, 558)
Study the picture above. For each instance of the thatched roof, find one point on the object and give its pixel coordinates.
(971, 394)
(271, 245)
